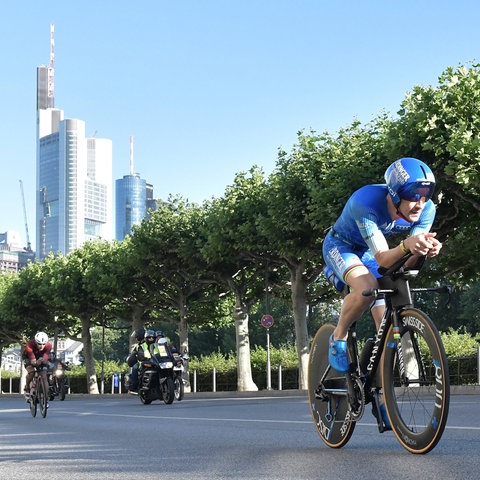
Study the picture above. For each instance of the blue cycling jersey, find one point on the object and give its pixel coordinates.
(361, 231)
(365, 221)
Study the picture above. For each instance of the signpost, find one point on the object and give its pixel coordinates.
(267, 322)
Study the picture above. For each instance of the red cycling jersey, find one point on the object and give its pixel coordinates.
(32, 352)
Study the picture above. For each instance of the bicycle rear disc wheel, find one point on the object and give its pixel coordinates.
(42, 397)
(330, 412)
(416, 384)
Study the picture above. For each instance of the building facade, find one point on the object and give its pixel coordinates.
(133, 200)
(13, 256)
(74, 201)
(130, 204)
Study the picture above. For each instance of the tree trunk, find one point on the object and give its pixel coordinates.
(299, 302)
(183, 346)
(92, 385)
(245, 381)
(137, 322)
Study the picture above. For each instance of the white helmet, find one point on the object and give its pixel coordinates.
(41, 338)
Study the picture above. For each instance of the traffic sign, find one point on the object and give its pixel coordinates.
(267, 321)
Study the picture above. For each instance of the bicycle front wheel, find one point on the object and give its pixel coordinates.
(33, 403)
(330, 411)
(416, 384)
(42, 392)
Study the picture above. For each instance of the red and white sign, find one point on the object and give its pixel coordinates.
(267, 321)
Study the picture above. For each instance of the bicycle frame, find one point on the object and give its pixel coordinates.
(398, 296)
(408, 388)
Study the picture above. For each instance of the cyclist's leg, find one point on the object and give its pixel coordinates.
(28, 379)
(358, 279)
(353, 268)
(377, 311)
(345, 263)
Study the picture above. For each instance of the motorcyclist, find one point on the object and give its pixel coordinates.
(173, 349)
(53, 366)
(54, 362)
(132, 359)
(36, 353)
(149, 347)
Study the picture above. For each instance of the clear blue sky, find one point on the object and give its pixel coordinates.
(210, 88)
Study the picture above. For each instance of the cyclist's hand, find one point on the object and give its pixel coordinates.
(435, 250)
(423, 243)
(39, 362)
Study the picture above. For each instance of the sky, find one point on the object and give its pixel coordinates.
(211, 88)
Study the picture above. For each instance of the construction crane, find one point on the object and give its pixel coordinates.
(29, 245)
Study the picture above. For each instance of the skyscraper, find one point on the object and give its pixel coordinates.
(74, 176)
(133, 198)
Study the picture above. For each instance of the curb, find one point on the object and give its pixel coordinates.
(454, 390)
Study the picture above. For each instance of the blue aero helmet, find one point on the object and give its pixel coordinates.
(409, 179)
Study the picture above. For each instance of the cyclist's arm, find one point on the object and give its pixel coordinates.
(29, 353)
(377, 243)
(420, 244)
(384, 255)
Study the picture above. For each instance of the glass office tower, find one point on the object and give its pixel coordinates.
(74, 178)
(130, 204)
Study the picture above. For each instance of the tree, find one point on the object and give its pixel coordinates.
(306, 195)
(232, 250)
(169, 263)
(441, 125)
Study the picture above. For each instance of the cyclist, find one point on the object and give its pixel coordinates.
(356, 245)
(36, 352)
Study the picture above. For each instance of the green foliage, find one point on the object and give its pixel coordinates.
(109, 368)
(286, 356)
(221, 362)
(459, 343)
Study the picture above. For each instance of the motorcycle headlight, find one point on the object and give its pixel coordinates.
(166, 364)
(58, 372)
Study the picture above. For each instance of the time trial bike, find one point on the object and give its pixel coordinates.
(405, 364)
(39, 391)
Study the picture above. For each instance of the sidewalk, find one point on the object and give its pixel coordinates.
(454, 390)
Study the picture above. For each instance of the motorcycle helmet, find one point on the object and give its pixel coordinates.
(41, 339)
(149, 336)
(159, 334)
(409, 179)
(138, 334)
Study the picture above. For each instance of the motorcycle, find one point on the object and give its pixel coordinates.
(178, 380)
(58, 382)
(156, 377)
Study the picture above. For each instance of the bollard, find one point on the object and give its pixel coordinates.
(115, 382)
(279, 377)
(478, 365)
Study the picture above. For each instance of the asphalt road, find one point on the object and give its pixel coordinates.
(218, 437)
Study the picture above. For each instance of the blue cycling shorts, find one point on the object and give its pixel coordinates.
(340, 257)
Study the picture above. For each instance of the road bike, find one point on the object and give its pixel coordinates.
(39, 391)
(405, 364)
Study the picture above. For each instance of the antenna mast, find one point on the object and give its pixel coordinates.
(51, 65)
(131, 155)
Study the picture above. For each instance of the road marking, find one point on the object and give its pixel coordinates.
(241, 420)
